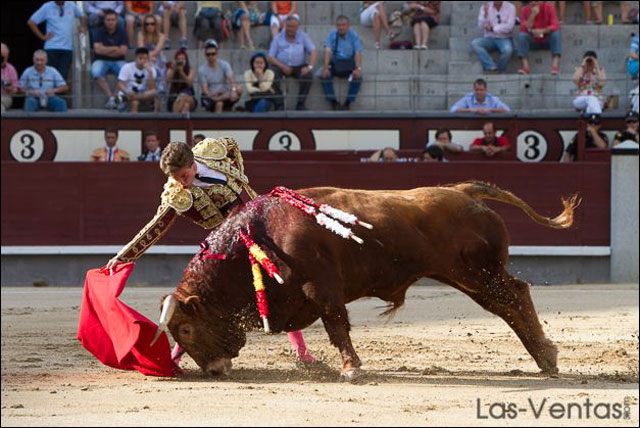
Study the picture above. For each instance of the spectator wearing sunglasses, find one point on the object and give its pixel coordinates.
(496, 19)
(41, 83)
(220, 91)
(60, 17)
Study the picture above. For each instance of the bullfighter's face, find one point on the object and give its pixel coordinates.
(185, 175)
(210, 340)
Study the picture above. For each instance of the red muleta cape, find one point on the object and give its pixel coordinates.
(114, 333)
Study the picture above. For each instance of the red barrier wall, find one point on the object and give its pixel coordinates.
(54, 203)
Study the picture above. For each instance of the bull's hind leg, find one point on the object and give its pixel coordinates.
(509, 298)
(336, 322)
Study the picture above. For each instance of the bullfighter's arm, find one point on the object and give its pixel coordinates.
(149, 235)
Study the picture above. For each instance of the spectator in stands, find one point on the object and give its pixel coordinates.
(589, 77)
(597, 11)
(386, 155)
(244, 17)
(594, 138)
(479, 101)
(135, 13)
(137, 83)
(96, 10)
(632, 62)
(287, 54)
(174, 13)
(490, 144)
(9, 80)
(110, 48)
(433, 153)
(152, 151)
(41, 83)
(374, 14)
(539, 29)
(209, 22)
(425, 15)
(342, 58)
(630, 132)
(180, 77)
(259, 83)
(60, 17)
(197, 138)
(110, 152)
(220, 90)
(496, 19)
(151, 38)
(444, 141)
(280, 11)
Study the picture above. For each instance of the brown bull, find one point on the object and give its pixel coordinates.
(444, 233)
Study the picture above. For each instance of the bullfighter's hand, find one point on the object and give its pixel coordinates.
(113, 263)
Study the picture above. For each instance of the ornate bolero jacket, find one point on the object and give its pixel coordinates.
(201, 205)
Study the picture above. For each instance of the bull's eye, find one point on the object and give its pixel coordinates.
(186, 332)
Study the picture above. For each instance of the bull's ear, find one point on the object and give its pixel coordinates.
(193, 303)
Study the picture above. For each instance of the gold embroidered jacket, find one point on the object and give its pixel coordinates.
(201, 205)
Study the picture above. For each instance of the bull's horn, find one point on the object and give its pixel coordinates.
(168, 308)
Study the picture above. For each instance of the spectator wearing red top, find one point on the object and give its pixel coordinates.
(490, 144)
(539, 29)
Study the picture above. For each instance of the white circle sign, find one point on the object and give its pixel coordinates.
(532, 146)
(284, 140)
(26, 146)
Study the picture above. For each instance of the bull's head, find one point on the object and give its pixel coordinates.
(211, 339)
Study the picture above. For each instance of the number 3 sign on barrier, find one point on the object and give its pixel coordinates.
(26, 146)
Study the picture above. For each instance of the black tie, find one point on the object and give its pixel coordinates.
(210, 180)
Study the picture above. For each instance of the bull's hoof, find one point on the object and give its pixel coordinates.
(350, 375)
(552, 372)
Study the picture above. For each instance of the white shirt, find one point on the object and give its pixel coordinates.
(135, 78)
(205, 171)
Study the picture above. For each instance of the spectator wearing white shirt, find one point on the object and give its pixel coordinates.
(137, 82)
(497, 19)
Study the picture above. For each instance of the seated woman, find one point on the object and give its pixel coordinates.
(259, 82)
(180, 77)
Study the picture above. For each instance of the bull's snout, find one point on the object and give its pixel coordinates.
(221, 366)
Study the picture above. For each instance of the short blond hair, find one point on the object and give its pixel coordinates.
(175, 156)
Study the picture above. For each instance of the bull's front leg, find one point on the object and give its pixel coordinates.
(336, 323)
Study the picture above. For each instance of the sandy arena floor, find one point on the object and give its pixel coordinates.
(441, 361)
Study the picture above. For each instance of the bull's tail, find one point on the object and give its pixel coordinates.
(479, 190)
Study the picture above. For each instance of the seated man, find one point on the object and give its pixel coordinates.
(539, 29)
(594, 138)
(630, 131)
(9, 80)
(490, 144)
(110, 47)
(211, 173)
(479, 101)
(433, 153)
(137, 83)
(288, 53)
(342, 58)
(41, 84)
(96, 11)
(497, 19)
(220, 91)
(110, 152)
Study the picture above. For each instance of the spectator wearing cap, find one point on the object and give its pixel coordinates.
(9, 79)
(630, 132)
(594, 138)
(490, 143)
(220, 90)
(287, 55)
(589, 78)
(342, 58)
(110, 47)
(479, 101)
(539, 29)
(41, 84)
(60, 17)
(496, 19)
(259, 83)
